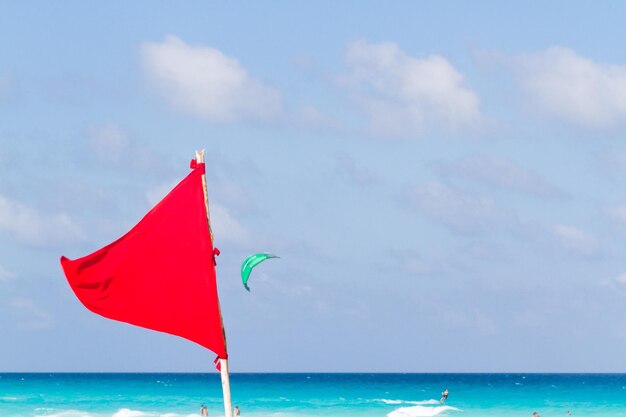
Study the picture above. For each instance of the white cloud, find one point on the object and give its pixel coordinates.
(109, 138)
(503, 173)
(576, 240)
(621, 279)
(30, 226)
(229, 193)
(226, 228)
(575, 89)
(311, 116)
(458, 211)
(205, 82)
(617, 213)
(111, 145)
(6, 275)
(110, 142)
(404, 96)
(33, 316)
(614, 160)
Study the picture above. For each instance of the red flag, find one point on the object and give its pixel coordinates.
(161, 274)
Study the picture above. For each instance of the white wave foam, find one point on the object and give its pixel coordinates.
(420, 411)
(422, 402)
(125, 412)
(178, 415)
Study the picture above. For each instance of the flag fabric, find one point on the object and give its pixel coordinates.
(161, 274)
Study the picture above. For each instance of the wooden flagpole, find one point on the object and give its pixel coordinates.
(228, 406)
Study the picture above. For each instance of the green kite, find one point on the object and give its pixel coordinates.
(250, 262)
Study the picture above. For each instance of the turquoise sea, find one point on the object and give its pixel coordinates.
(313, 394)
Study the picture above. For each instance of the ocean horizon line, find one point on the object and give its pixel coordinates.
(310, 373)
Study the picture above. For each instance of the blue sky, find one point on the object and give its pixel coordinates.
(442, 182)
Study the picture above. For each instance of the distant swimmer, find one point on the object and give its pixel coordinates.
(444, 396)
(237, 412)
(535, 414)
(204, 411)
